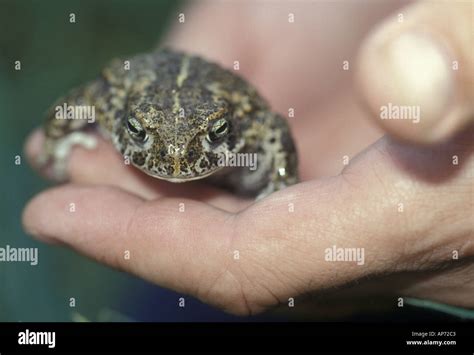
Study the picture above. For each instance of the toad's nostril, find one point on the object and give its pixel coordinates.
(176, 151)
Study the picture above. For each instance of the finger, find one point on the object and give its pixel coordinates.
(180, 244)
(416, 70)
(104, 166)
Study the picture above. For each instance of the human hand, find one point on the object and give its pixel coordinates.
(407, 207)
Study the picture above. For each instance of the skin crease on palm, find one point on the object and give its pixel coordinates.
(281, 253)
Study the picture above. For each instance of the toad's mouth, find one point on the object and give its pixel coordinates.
(180, 179)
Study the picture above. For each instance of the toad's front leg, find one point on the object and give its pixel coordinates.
(277, 167)
(65, 127)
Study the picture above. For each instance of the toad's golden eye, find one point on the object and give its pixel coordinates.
(219, 129)
(136, 130)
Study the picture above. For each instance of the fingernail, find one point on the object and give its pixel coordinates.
(422, 71)
(410, 71)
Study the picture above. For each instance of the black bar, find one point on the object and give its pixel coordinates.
(260, 337)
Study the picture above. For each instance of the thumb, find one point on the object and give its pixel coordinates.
(415, 71)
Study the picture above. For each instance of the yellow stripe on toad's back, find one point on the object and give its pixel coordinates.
(183, 73)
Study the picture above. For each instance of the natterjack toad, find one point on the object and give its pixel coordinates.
(179, 118)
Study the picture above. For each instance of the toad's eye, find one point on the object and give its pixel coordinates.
(135, 130)
(218, 130)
